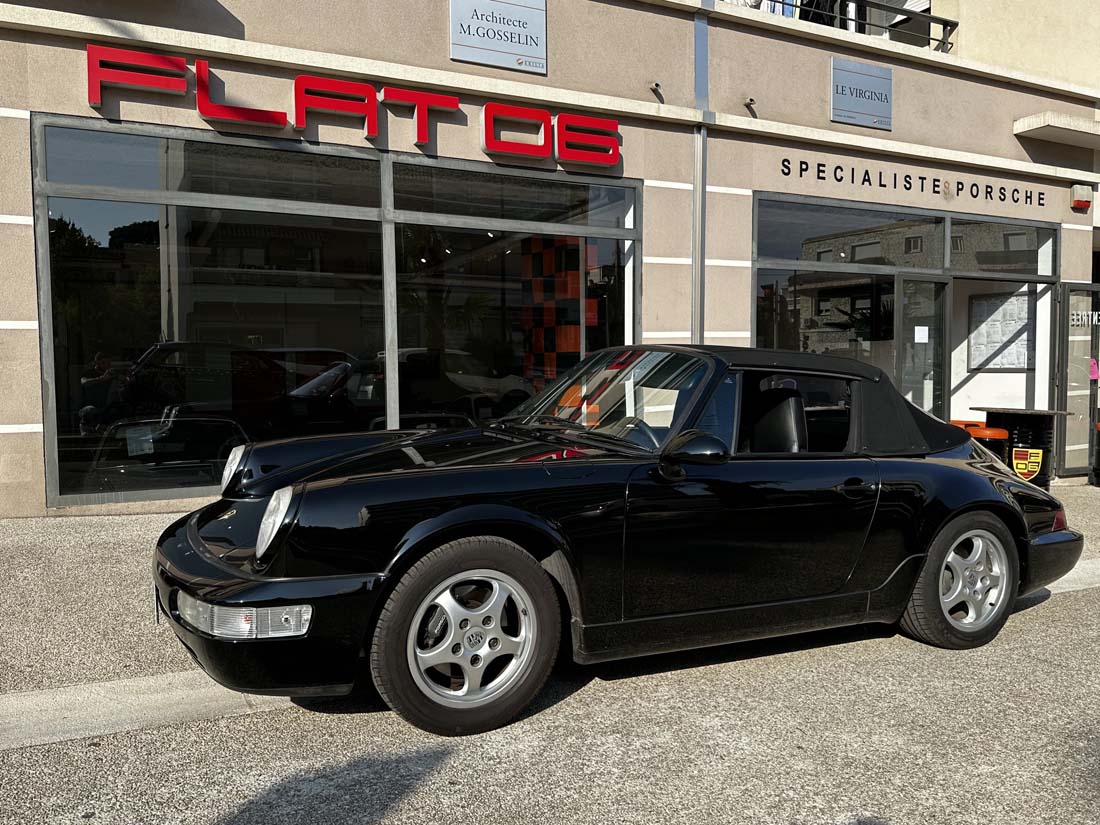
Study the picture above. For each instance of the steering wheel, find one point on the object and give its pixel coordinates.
(635, 429)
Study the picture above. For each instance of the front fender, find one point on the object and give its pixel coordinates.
(538, 536)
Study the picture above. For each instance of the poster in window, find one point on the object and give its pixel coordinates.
(1001, 332)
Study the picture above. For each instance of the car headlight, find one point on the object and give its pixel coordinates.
(231, 465)
(273, 518)
(244, 622)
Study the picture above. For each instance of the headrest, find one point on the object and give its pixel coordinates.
(780, 425)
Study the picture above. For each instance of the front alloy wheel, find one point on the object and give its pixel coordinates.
(467, 637)
(472, 638)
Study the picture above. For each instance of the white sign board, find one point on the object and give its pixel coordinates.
(509, 34)
(862, 94)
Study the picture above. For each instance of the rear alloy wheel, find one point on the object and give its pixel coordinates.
(968, 585)
(467, 638)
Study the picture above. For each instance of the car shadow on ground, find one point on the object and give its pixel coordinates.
(362, 790)
(568, 677)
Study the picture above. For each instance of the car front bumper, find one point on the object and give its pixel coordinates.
(1050, 556)
(324, 662)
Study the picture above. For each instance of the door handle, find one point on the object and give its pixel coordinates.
(856, 486)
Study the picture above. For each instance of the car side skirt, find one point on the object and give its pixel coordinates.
(686, 631)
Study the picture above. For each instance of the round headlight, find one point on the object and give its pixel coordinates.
(273, 518)
(231, 465)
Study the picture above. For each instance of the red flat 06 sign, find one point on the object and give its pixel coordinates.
(569, 138)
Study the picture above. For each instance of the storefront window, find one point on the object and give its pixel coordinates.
(180, 332)
(814, 232)
(984, 246)
(827, 312)
(941, 304)
(487, 318)
(96, 158)
(491, 195)
(182, 329)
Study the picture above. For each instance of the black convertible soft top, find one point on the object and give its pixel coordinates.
(890, 425)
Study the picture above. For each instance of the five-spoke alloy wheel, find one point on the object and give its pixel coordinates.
(968, 585)
(471, 638)
(467, 637)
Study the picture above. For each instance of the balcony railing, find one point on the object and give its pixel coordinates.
(900, 21)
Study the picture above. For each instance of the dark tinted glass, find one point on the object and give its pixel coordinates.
(829, 234)
(984, 246)
(827, 312)
(180, 332)
(95, 158)
(491, 195)
(487, 318)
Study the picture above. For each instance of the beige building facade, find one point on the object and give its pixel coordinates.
(207, 239)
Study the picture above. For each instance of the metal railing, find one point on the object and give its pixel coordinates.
(870, 17)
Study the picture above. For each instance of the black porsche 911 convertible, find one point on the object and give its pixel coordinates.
(652, 499)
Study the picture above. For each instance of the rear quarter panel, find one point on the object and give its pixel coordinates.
(918, 497)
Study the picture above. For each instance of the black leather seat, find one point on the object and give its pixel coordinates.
(780, 425)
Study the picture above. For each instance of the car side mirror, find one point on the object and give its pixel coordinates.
(693, 447)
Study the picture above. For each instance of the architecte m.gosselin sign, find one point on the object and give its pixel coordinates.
(510, 34)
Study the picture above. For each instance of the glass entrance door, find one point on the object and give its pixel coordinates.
(922, 368)
(1082, 349)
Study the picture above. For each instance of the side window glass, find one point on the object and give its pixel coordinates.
(792, 413)
(720, 413)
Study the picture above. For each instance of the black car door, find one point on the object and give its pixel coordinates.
(785, 518)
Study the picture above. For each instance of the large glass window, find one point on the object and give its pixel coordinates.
(180, 331)
(827, 312)
(487, 318)
(491, 195)
(873, 285)
(815, 232)
(125, 161)
(984, 246)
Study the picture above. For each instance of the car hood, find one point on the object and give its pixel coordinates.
(272, 465)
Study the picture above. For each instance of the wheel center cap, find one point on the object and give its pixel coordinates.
(475, 639)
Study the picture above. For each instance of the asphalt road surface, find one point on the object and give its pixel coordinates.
(104, 720)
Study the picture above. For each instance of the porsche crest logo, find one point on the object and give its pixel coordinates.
(1026, 462)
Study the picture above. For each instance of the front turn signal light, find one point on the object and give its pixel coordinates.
(244, 622)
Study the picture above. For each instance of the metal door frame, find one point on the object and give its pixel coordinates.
(1062, 369)
(945, 331)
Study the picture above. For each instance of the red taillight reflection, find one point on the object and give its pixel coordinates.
(1060, 522)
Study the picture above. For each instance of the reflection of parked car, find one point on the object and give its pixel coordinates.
(470, 373)
(351, 395)
(136, 454)
(303, 363)
(663, 497)
(209, 379)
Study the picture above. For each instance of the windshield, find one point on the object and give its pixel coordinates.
(324, 383)
(635, 395)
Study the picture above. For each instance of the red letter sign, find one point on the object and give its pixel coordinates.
(506, 111)
(421, 103)
(584, 139)
(169, 73)
(323, 94)
(220, 111)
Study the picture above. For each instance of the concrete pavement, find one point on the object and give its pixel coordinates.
(840, 727)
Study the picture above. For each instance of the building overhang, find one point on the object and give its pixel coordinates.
(1054, 127)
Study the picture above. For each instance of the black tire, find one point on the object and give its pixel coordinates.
(389, 662)
(925, 619)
